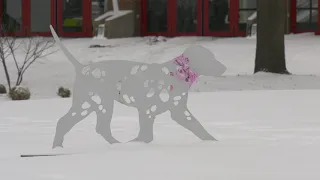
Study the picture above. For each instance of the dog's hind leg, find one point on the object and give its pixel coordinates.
(76, 114)
(184, 117)
(104, 116)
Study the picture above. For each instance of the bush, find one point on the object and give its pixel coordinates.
(64, 92)
(3, 89)
(19, 93)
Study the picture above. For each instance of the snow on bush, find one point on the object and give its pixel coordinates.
(155, 40)
(19, 93)
(3, 89)
(64, 92)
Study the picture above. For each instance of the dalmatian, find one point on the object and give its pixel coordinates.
(150, 88)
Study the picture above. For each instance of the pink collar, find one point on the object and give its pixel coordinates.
(183, 71)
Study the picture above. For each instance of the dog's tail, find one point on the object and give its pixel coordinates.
(71, 58)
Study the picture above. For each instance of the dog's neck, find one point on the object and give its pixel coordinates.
(182, 70)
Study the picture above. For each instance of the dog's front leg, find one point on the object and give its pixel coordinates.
(183, 116)
(146, 127)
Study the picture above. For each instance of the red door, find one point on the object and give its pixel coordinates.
(304, 16)
(186, 18)
(245, 10)
(219, 17)
(41, 14)
(228, 17)
(14, 17)
(74, 18)
(171, 17)
(156, 17)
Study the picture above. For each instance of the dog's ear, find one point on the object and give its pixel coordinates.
(203, 61)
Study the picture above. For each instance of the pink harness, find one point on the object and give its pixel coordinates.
(183, 71)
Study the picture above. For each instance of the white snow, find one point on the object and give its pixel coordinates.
(273, 133)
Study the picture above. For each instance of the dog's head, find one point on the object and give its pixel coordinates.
(203, 62)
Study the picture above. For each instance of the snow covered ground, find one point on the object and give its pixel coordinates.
(273, 133)
(302, 51)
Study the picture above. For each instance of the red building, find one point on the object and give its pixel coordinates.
(219, 17)
(32, 17)
(73, 18)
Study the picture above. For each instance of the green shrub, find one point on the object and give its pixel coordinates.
(19, 93)
(64, 92)
(3, 89)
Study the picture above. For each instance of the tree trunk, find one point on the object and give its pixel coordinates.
(6, 73)
(270, 48)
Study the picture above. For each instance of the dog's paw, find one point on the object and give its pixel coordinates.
(109, 139)
(142, 140)
(113, 141)
(57, 144)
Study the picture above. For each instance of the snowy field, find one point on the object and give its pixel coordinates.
(302, 51)
(267, 125)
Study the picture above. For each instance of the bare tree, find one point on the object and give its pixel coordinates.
(7, 46)
(270, 47)
(33, 48)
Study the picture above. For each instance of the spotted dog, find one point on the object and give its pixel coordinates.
(151, 88)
